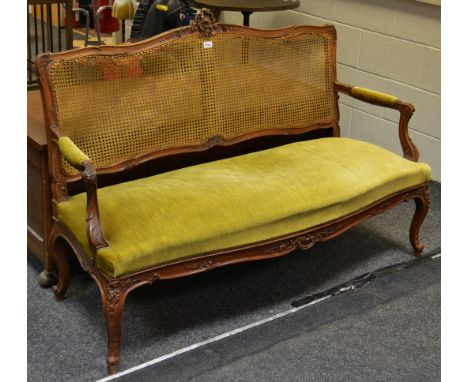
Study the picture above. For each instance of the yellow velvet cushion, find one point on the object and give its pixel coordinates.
(239, 200)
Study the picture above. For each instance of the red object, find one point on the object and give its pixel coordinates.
(106, 22)
(76, 16)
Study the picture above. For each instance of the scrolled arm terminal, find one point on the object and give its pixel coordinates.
(406, 110)
(72, 153)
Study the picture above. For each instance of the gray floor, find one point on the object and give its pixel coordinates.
(67, 341)
(387, 330)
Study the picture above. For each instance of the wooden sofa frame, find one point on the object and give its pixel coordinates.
(115, 290)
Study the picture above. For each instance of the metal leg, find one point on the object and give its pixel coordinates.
(97, 22)
(86, 14)
(246, 18)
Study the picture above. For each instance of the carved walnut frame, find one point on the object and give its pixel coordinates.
(114, 290)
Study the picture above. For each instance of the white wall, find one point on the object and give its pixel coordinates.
(387, 45)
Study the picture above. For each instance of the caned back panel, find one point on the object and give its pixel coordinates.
(184, 92)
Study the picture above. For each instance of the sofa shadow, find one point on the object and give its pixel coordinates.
(171, 306)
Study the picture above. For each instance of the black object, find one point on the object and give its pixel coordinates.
(140, 16)
(88, 6)
(364, 279)
(150, 21)
(246, 15)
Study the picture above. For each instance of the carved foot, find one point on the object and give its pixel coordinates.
(47, 279)
(59, 293)
(422, 207)
(112, 364)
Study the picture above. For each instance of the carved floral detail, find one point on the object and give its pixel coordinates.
(115, 291)
(45, 61)
(205, 265)
(151, 278)
(113, 299)
(214, 141)
(89, 172)
(306, 241)
(427, 197)
(205, 23)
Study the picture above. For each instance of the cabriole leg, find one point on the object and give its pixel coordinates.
(113, 299)
(58, 250)
(422, 207)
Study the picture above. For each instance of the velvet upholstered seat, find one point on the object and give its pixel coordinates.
(236, 201)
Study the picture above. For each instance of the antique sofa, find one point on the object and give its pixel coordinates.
(111, 108)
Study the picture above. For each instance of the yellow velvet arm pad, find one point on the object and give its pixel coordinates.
(373, 96)
(71, 152)
(123, 9)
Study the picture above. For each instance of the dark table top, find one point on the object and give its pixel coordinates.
(248, 5)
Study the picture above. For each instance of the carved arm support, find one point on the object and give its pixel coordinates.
(81, 162)
(406, 110)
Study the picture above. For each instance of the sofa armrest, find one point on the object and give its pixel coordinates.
(406, 110)
(81, 162)
(72, 153)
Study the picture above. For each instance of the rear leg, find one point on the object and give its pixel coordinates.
(58, 249)
(422, 202)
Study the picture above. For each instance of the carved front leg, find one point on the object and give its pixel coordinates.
(422, 207)
(113, 299)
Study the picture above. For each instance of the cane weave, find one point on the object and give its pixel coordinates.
(181, 93)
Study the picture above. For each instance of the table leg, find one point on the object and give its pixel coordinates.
(246, 18)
